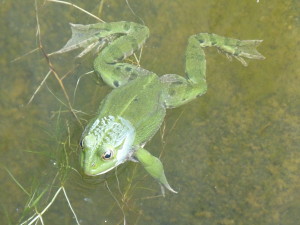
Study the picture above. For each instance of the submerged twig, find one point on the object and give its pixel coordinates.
(70, 206)
(26, 54)
(39, 87)
(77, 83)
(101, 7)
(77, 7)
(118, 203)
(52, 70)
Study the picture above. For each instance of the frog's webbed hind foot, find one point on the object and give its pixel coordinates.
(89, 37)
(117, 41)
(247, 49)
(231, 47)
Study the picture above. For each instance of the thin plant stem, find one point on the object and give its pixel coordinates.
(45, 209)
(15, 180)
(65, 193)
(118, 203)
(26, 54)
(77, 7)
(39, 87)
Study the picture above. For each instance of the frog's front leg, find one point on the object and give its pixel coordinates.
(108, 65)
(154, 167)
(179, 90)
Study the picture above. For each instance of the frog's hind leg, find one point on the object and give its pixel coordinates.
(108, 65)
(180, 90)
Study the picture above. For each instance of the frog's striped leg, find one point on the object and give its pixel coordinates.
(180, 90)
(154, 167)
(108, 65)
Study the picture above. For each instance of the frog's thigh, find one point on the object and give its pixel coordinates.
(108, 63)
(178, 90)
(118, 74)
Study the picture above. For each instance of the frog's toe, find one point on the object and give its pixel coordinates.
(166, 185)
(247, 49)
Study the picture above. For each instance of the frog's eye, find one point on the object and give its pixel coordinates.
(81, 143)
(107, 155)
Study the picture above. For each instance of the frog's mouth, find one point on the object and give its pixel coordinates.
(97, 167)
(90, 173)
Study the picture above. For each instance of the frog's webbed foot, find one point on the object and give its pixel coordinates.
(243, 48)
(231, 47)
(154, 167)
(90, 37)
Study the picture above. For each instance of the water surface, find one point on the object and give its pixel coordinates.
(232, 154)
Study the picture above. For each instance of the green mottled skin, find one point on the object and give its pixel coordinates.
(137, 104)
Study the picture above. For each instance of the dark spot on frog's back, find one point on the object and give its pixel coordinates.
(116, 83)
(126, 26)
(172, 92)
(133, 75)
(120, 58)
(177, 82)
(134, 43)
(128, 69)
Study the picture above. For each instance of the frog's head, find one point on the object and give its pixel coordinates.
(106, 143)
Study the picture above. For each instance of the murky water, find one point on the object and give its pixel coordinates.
(232, 154)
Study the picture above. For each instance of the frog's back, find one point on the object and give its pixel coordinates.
(139, 102)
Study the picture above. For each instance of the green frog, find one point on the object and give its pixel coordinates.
(134, 110)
